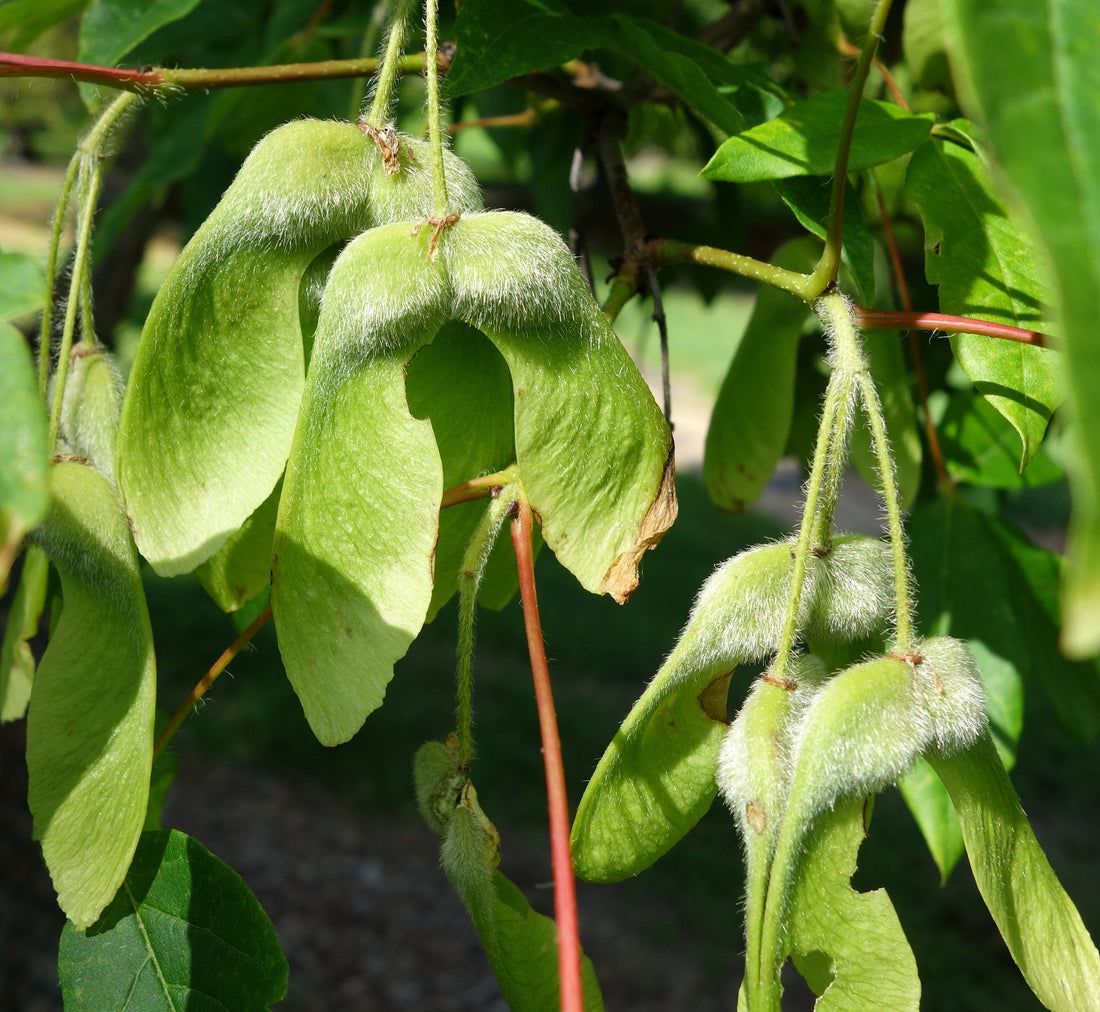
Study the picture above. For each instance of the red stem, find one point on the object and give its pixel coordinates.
(565, 893)
(18, 65)
(208, 679)
(885, 319)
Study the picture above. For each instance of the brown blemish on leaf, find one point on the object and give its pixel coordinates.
(621, 580)
(756, 817)
(388, 143)
(712, 700)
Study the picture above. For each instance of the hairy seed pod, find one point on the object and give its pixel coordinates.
(90, 407)
(952, 692)
(754, 763)
(862, 730)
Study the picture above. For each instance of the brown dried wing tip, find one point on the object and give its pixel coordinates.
(621, 579)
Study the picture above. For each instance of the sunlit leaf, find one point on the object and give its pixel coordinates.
(90, 720)
(1038, 921)
(986, 268)
(1044, 127)
(23, 485)
(111, 28)
(981, 448)
(803, 140)
(184, 931)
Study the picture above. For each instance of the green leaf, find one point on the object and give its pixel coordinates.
(803, 139)
(22, 284)
(32, 17)
(16, 659)
(359, 514)
(111, 28)
(1044, 126)
(923, 43)
(1038, 921)
(752, 415)
(501, 39)
(461, 383)
(184, 931)
(594, 452)
(90, 720)
(520, 943)
(241, 568)
(656, 778)
(984, 268)
(849, 945)
(24, 494)
(891, 379)
(981, 448)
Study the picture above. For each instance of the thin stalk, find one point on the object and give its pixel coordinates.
(671, 251)
(469, 581)
(44, 333)
(930, 432)
(478, 488)
(903, 606)
(435, 115)
(90, 153)
(837, 393)
(370, 39)
(836, 458)
(390, 65)
(840, 318)
(207, 680)
(826, 271)
(565, 893)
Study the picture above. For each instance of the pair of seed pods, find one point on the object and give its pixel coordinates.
(850, 733)
(220, 402)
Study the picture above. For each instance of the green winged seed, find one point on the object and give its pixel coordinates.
(359, 513)
(656, 779)
(219, 372)
(90, 720)
(91, 406)
(593, 450)
(358, 521)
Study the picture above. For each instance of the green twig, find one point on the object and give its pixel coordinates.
(826, 271)
(207, 680)
(435, 113)
(387, 72)
(469, 581)
(46, 327)
(90, 153)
